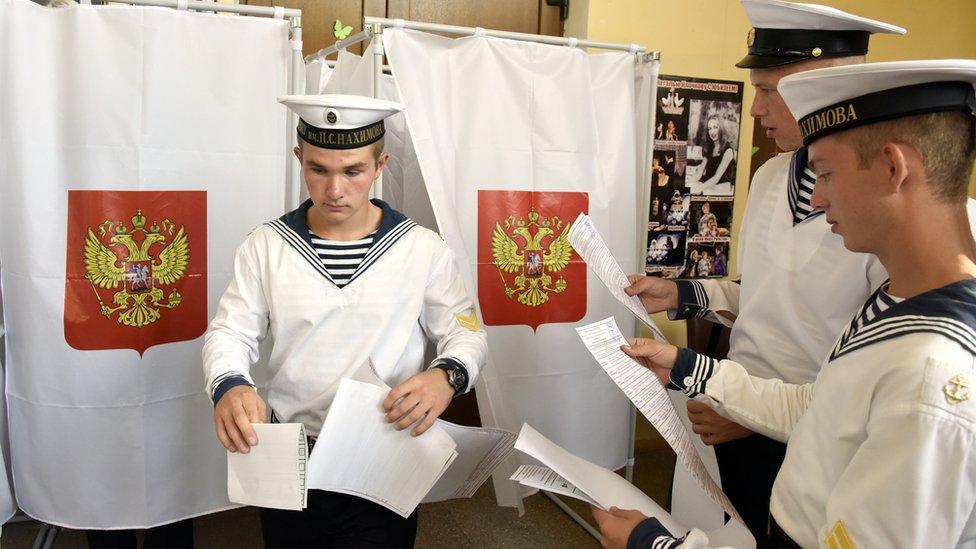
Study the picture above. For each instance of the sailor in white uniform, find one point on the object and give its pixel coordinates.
(882, 445)
(799, 286)
(340, 281)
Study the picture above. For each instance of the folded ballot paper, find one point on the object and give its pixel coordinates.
(272, 474)
(567, 474)
(358, 452)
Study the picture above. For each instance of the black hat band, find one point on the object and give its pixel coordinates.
(916, 99)
(340, 139)
(808, 43)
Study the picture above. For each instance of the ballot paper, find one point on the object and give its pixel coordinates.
(480, 450)
(606, 489)
(544, 478)
(590, 246)
(272, 474)
(602, 486)
(644, 389)
(359, 453)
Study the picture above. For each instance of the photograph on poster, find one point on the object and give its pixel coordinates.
(670, 212)
(664, 172)
(707, 258)
(665, 249)
(672, 119)
(658, 212)
(712, 144)
(668, 129)
(710, 217)
(677, 217)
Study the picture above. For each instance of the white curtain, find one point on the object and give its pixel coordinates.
(490, 117)
(317, 74)
(146, 118)
(403, 182)
(8, 504)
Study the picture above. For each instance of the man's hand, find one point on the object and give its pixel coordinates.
(237, 409)
(656, 294)
(652, 354)
(424, 396)
(713, 428)
(616, 526)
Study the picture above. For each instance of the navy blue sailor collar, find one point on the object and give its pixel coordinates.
(293, 227)
(297, 219)
(949, 310)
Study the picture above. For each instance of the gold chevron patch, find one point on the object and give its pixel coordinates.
(468, 320)
(839, 538)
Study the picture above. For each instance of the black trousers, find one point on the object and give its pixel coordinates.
(748, 467)
(337, 521)
(176, 535)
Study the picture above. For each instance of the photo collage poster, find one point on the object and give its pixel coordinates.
(693, 165)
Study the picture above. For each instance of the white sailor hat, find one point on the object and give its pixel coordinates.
(834, 99)
(340, 121)
(787, 32)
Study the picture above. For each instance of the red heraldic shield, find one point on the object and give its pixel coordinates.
(527, 271)
(136, 270)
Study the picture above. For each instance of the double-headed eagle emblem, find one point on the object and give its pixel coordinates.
(137, 272)
(534, 263)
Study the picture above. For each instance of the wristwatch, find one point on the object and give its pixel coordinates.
(457, 375)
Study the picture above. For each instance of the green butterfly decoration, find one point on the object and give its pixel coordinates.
(339, 31)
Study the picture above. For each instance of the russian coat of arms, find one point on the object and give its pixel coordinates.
(139, 262)
(536, 248)
(528, 273)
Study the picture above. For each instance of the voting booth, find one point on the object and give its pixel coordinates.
(498, 128)
(503, 132)
(132, 134)
(152, 133)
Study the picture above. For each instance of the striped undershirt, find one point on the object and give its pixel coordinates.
(341, 258)
(801, 194)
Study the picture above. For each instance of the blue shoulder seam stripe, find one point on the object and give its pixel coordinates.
(300, 246)
(380, 247)
(898, 326)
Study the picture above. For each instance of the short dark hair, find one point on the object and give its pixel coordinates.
(378, 148)
(945, 140)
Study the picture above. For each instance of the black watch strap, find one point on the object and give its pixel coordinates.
(457, 374)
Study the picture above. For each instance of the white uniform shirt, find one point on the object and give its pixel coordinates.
(799, 286)
(882, 446)
(407, 289)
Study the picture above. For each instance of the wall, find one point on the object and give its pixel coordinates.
(706, 37)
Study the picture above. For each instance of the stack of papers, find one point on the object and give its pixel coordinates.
(480, 451)
(358, 452)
